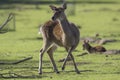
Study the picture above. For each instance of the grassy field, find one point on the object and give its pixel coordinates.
(25, 41)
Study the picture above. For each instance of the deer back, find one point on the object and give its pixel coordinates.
(99, 49)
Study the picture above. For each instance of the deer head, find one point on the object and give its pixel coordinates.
(58, 12)
(85, 44)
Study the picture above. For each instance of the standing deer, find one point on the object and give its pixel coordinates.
(91, 49)
(59, 31)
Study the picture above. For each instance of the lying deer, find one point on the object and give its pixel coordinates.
(90, 49)
(59, 31)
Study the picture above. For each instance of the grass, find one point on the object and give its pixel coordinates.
(24, 42)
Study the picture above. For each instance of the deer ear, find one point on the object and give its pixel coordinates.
(87, 41)
(52, 7)
(84, 41)
(65, 5)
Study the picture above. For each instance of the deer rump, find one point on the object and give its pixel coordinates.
(98, 49)
(52, 31)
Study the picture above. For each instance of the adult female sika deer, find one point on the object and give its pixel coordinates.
(59, 31)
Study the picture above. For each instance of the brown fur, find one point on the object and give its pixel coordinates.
(91, 49)
(53, 31)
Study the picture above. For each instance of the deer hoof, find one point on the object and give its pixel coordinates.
(78, 72)
(63, 68)
(40, 72)
(57, 72)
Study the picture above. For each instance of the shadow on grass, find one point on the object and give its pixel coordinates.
(81, 71)
(15, 75)
(36, 38)
(2, 32)
(70, 71)
(80, 63)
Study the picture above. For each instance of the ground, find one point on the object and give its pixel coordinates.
(25, 42)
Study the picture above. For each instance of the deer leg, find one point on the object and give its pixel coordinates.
(42, 51)
(70, 55)
(76, 69)
(50, 53)
(69, 51)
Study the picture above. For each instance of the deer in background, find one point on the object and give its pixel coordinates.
(59, 31)
(90, 49)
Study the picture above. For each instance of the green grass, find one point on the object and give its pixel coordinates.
(24, 42)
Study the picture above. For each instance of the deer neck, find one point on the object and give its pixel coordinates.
(65, 26)
(89, 49)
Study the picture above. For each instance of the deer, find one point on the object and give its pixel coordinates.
(91, 49)
(59, 32)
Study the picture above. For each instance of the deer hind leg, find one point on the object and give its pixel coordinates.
(42, 51)
(70, 55)
(50, 53)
